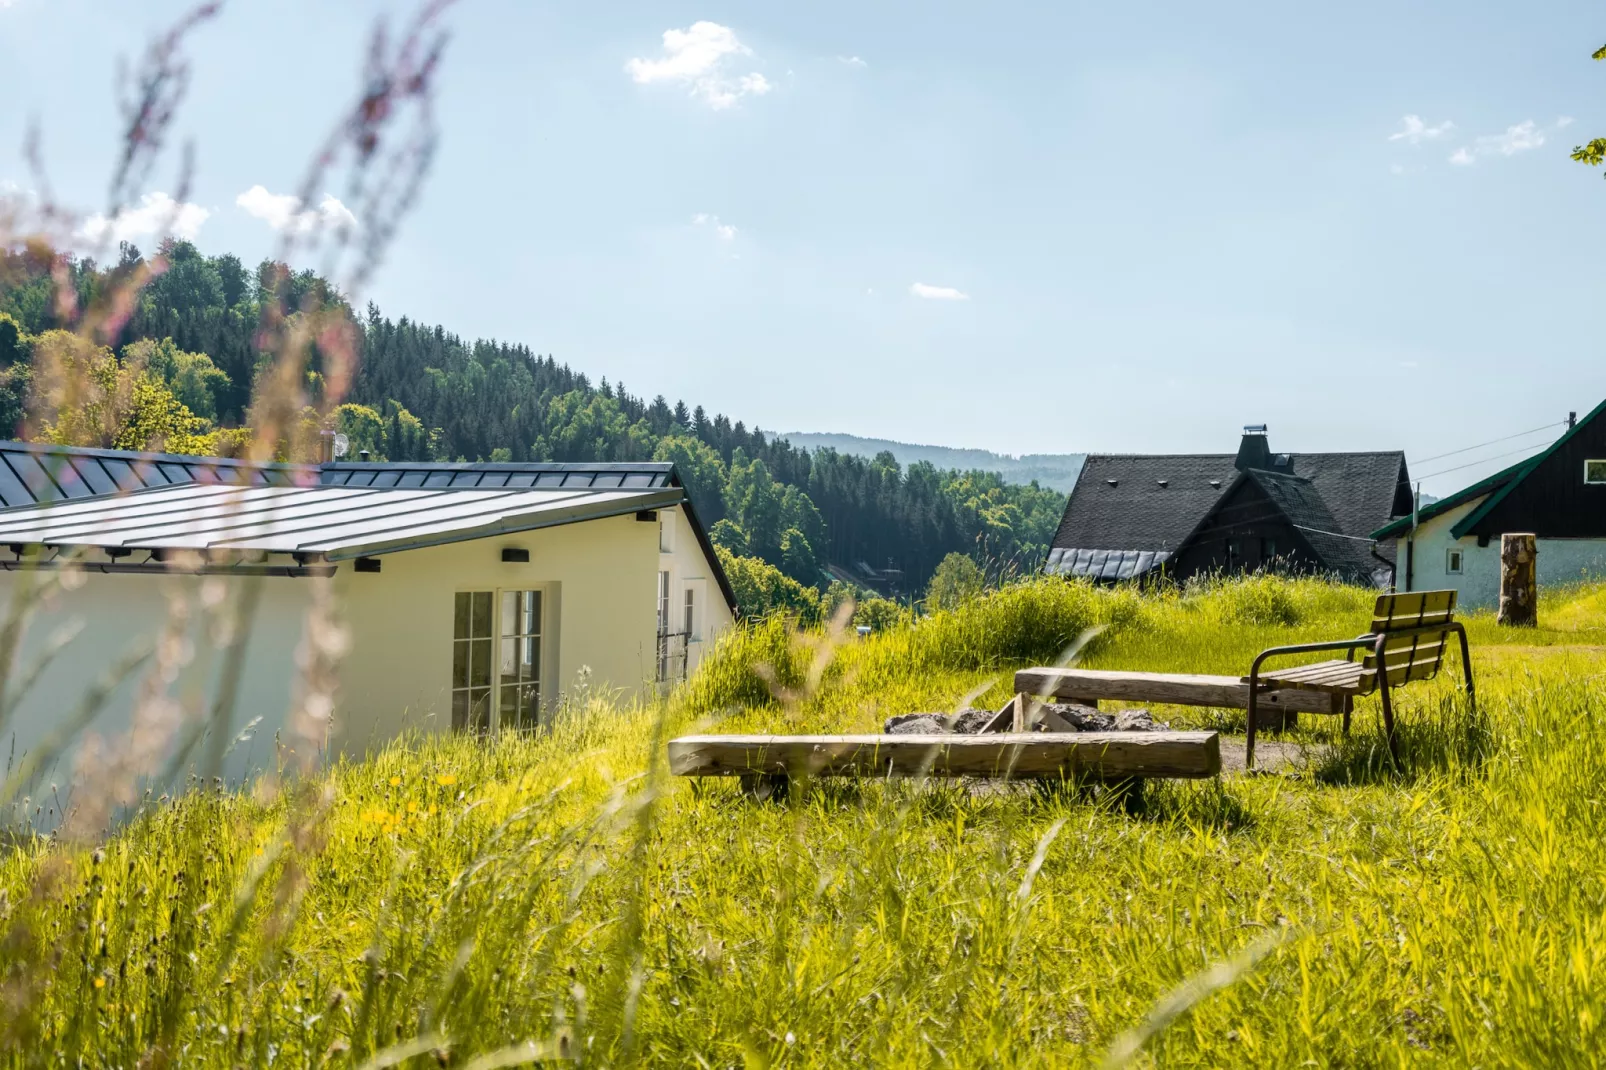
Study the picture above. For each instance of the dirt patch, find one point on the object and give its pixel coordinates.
(1271, 755)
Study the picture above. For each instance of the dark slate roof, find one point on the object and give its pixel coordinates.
(1158, 499)
(1118, 502)
(1308, 512)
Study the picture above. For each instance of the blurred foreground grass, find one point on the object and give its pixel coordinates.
(451, 902)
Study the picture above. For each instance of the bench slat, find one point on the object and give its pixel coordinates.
(1096, 755)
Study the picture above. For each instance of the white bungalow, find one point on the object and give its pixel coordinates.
(1558, 495)
(470, 597)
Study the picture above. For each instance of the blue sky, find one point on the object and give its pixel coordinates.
(1044, 227)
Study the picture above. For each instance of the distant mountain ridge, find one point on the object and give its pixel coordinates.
(1055, 470)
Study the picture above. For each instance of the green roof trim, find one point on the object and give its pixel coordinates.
(1529, 465)
(1402, 524)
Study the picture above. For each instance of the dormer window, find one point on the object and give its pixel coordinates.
(1595, 471)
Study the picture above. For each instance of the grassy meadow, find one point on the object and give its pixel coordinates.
(451, 902)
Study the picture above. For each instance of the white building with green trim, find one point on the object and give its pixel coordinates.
(1559, 495)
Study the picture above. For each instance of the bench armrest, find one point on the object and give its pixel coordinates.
(1306, 648)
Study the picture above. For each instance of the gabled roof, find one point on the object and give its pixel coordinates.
(1120, 503)
(1308, 513)
(1487, 485)
(1153, 502)
(1527, 468)
(335, 523)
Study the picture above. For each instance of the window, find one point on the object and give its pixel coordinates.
(519, 684)
(1452, 562)
(1595, 471)
(666, 533)
(509, 638)
(1268, 548)
(472, 648)
(663, 626)
(689, 624)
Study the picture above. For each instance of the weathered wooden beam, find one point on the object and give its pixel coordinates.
(1181, 689)
(1091, 755)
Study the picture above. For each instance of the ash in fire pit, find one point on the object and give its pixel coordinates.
(1049, 717)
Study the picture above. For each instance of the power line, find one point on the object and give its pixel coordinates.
(1491, 442)
(1485, 460)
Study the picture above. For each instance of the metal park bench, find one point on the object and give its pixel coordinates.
(1409, 635)
(766, 763)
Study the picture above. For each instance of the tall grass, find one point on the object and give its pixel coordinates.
(558, 896)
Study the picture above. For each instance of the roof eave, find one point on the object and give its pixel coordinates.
(547, 518)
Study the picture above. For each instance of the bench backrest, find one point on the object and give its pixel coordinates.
(1416, 656)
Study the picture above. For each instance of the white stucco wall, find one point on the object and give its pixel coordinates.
(599, 582)
(1478, 585)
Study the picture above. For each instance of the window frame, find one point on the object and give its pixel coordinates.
(1595, 482)
(490, 720)
(1455, 561)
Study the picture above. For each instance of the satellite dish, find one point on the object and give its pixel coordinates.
(342, 445)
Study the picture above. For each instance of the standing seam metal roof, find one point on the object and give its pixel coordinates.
(336, 522)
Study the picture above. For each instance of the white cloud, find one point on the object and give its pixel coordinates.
(852, 61)
(726, 231)
(1519, 138)
(1414, 131)
(158, 215)
(699, 58)
(283, 211)
(938, 293)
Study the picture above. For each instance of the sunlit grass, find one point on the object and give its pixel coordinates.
(559, 889)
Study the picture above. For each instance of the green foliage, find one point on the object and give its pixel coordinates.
(364, 429)
(701, 471)
(728, 536)
(16, 375)
(957, 580)
(879, 614)
(93, 399)
(458, 896)
(1594, 152)
(442, 397)
(192, 377)
(762, 590)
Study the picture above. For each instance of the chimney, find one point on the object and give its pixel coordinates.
(1253, 450)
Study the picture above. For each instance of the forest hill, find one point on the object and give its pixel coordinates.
(423, 393)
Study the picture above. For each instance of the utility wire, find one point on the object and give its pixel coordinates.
(1491, 442)
(1485, 460)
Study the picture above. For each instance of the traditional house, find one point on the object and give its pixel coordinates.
(1558, 495)
(1135, 515)
(472, 596)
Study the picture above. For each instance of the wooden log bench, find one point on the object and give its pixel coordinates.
(1275, 708)
(1410, 634)
(766, 762)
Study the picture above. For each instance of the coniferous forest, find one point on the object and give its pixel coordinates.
(187, 355)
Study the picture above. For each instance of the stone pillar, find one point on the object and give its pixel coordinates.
(1519, 581)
